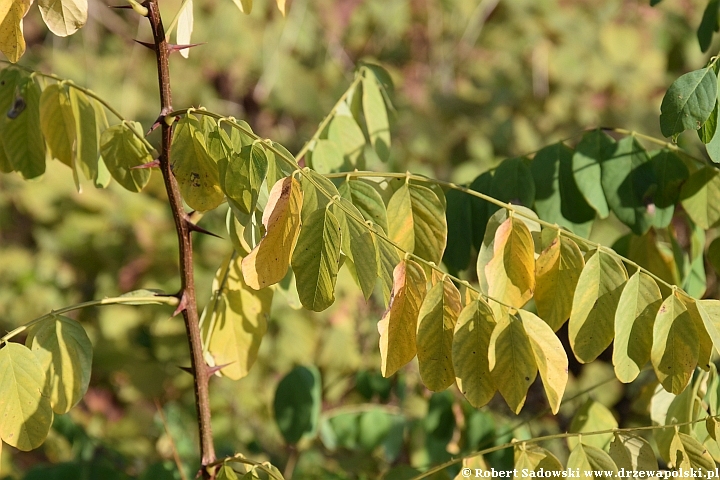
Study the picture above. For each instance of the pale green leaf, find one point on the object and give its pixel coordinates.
(326, 157)
(87, 131)
(591, 462)
(64, 17)
(65, 353)
(121, 150)
(242, 175)
(316, 260)
(511, 361)
(675, 348)
(700, 197)
(268, 262)
(634, 320)
(376, 117)
(550, 357)
(348, 137)
(709, 311)
(688, 102)
(470, 353)
(557, 271)
(592, 417)
(225, 472)
(511, 272)
(27, 414)
(398, 326)
(436, 327)
(594, 148)
(591, 326)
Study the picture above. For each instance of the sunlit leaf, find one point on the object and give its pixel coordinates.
(511, 272)
(225, 472)
(243, 174)
(367, 200)
(27, 414)
(185, 27)
(121, 150)
(634, 320)
(470, 353)
(245, 6)
(386, 261)
(688, 102)
(592, 417)
(87, 140)
(674, 352)
(704, 341)
(398, 327)
(347, 135)
(63, 17)
(533, 458)
(436, 326)
(65, 353)
(700, 197)
(633, 453)
(376, 117)
(550, 357)
(687, 454)
(326, 157)
(268, 262)
(12, 42)
(58, 122)
(591, 327)
(591, 461)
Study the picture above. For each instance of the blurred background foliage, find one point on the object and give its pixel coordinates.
(475, 82)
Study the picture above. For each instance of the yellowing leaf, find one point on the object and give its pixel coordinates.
(121, 150)
(709, 311)
(236, 320)
(387, 260)
(268, 262)
(12, 43)
(316, 260)
(705, 344)
(700, 197)
(532, 458)
(281, 6)
(245, 6)
(511, 361)
(634, 319)
(591, 462)
(195, 170)
(674, 352)
(557, 271)
(633, 453)
(185, 27)
(687, 454)
(592, 417)
(63, 17)
(27, 415)
(398, 326)
(65, 353)
(470, 352)
(591, 327)
(549, 356)
(511, 272)
(436, 326)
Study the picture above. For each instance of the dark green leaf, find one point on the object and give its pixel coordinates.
(459, 221)
(688, 102)
(297, 403)
(707, 131)
(708, 25)
(20, 132)
(480, 208)
(513, 183)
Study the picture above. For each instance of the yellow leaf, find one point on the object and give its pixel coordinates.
(63, 17)
(281, 6)
(511, 272)
(398, 326)
(675, 348)
(557, 271)
(185, 27)
(436, 326)
(268, 262)
(12, 43)
(470, 352)
(549, 356)
(705, 344)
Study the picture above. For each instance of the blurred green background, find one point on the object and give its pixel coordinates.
(475, 82)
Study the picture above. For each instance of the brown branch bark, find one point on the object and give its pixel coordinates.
(188, 302)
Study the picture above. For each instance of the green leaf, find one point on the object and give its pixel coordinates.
(480, 208)
(361, 249)
(675, 348)
(688, 102)
(12, 43)
(708, 25)
(557, 271)
(195, 170)
(592, 417)
(513, 183)
(700, 197)
(297, 403)
(634, 320)
(366, 199)
(20, 131)
(316, 258)
(709, 311)
(243, 176)
(225, 472)
(376, 118)
(315, 198)
(594, 148)
(592, 461)
(237, 320)
(268, 262)
(121, 150)
(470, 353)
(532, 458)
(88, 131)
(58, 122)
(387, 260)
(346, 134)
(556, 191)
(64, 17)
(459, 220)
(687, 454)
(27, 414)
(632, 453)
(511, 271)
(417, 222)
(626, 179)
(511, 361)
(670, 173)
(708, 129)
(326, 157)
(705, 343)
(591, 327)
(65, 353)
(550, 357)
(398, 326)
(436, 326)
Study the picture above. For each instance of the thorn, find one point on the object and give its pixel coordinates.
(216, 368)
(176, 48)
(186, 369)
(149, 45)
(195, 228)
(153, 164)
(182, 305)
